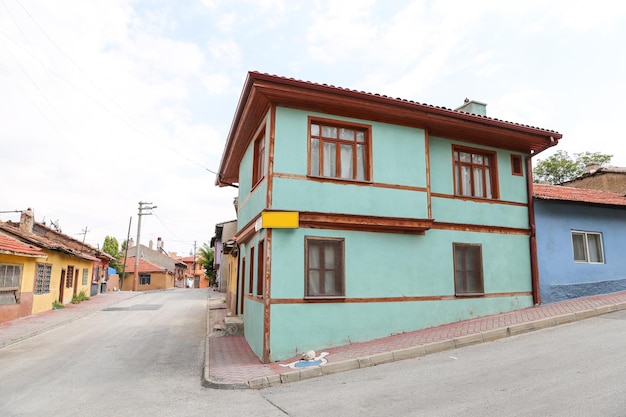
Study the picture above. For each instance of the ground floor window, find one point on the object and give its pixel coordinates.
(144, 279)
(468, 269)
(588, 247)
(85, 276)
(42, 280)
(10, 282)
(69, 277)
(324, 266)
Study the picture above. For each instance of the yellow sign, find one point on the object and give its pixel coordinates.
(280, 220)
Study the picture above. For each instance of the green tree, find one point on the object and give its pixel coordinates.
(561, 167)
(207, 255)
(112, 247)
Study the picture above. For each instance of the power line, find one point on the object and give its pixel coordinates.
(128, 119)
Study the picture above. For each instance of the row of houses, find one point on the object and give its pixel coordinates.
(40, 266)
(361, 216)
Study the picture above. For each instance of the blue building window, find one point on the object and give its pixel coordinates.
(588, 247)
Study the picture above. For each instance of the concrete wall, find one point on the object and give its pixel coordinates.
(560, 277)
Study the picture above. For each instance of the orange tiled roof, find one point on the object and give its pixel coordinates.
(13, 247)
(581, 195)
(143, 266)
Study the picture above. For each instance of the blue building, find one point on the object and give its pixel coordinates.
(581, 236)
(362, 216)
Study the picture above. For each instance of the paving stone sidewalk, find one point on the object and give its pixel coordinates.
(231, 364)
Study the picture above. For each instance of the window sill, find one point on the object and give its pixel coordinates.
(325, 299)
(470, 295)
(339, 180)
(477, 199)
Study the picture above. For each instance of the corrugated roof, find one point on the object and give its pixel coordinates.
(581, 195)
(11, 246)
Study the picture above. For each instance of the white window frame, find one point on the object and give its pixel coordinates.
(13, 291)
(585, 236)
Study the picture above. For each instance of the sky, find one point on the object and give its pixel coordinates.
(106, 103)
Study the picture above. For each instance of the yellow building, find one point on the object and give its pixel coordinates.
(150, 276)
(18, 268)
(39, 266)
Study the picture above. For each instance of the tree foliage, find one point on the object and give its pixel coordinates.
(111, 247)
(561, 167)
(207, 255)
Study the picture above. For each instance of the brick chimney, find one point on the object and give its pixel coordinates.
(27, 221)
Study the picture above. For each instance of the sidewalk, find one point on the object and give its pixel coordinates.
(230, 363)
(16, 330)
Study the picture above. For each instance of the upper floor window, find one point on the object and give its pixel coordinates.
(475, 173)
(516, 165)
(258, 163)
(339, 150)
(588, 247)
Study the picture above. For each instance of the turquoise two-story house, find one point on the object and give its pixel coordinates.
(361, 216)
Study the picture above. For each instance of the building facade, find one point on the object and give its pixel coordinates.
(581, 235)
(361, 216)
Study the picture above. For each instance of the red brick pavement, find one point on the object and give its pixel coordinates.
(232, 364)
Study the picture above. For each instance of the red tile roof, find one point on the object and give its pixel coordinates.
(143, 266)
(581, 195)
(262, 90)
(13, 247)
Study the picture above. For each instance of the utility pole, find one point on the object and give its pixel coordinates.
(144, 210)
(84, 233)
(194, 265)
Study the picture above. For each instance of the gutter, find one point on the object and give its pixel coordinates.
(534, 263)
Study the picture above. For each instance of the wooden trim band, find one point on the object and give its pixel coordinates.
(364, 223)
(362, 300)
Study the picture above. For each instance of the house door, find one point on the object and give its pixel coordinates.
(76, 282)
(62, 286)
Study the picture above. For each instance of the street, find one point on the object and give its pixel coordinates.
(143, 357)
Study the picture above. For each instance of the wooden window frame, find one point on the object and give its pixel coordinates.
(517, 167)
(492, 177)
(462, 275)
(338, 244)
(42, 282)
(260, 276)
(251, 272)
(258, 162)
(69, 277)
(243, 284)
(316, 164)
(587, 258)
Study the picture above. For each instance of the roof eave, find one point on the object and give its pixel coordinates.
(262, 90)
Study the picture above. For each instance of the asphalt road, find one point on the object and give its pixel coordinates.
(143, 357)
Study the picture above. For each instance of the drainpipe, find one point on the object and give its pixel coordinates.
(534, 264)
